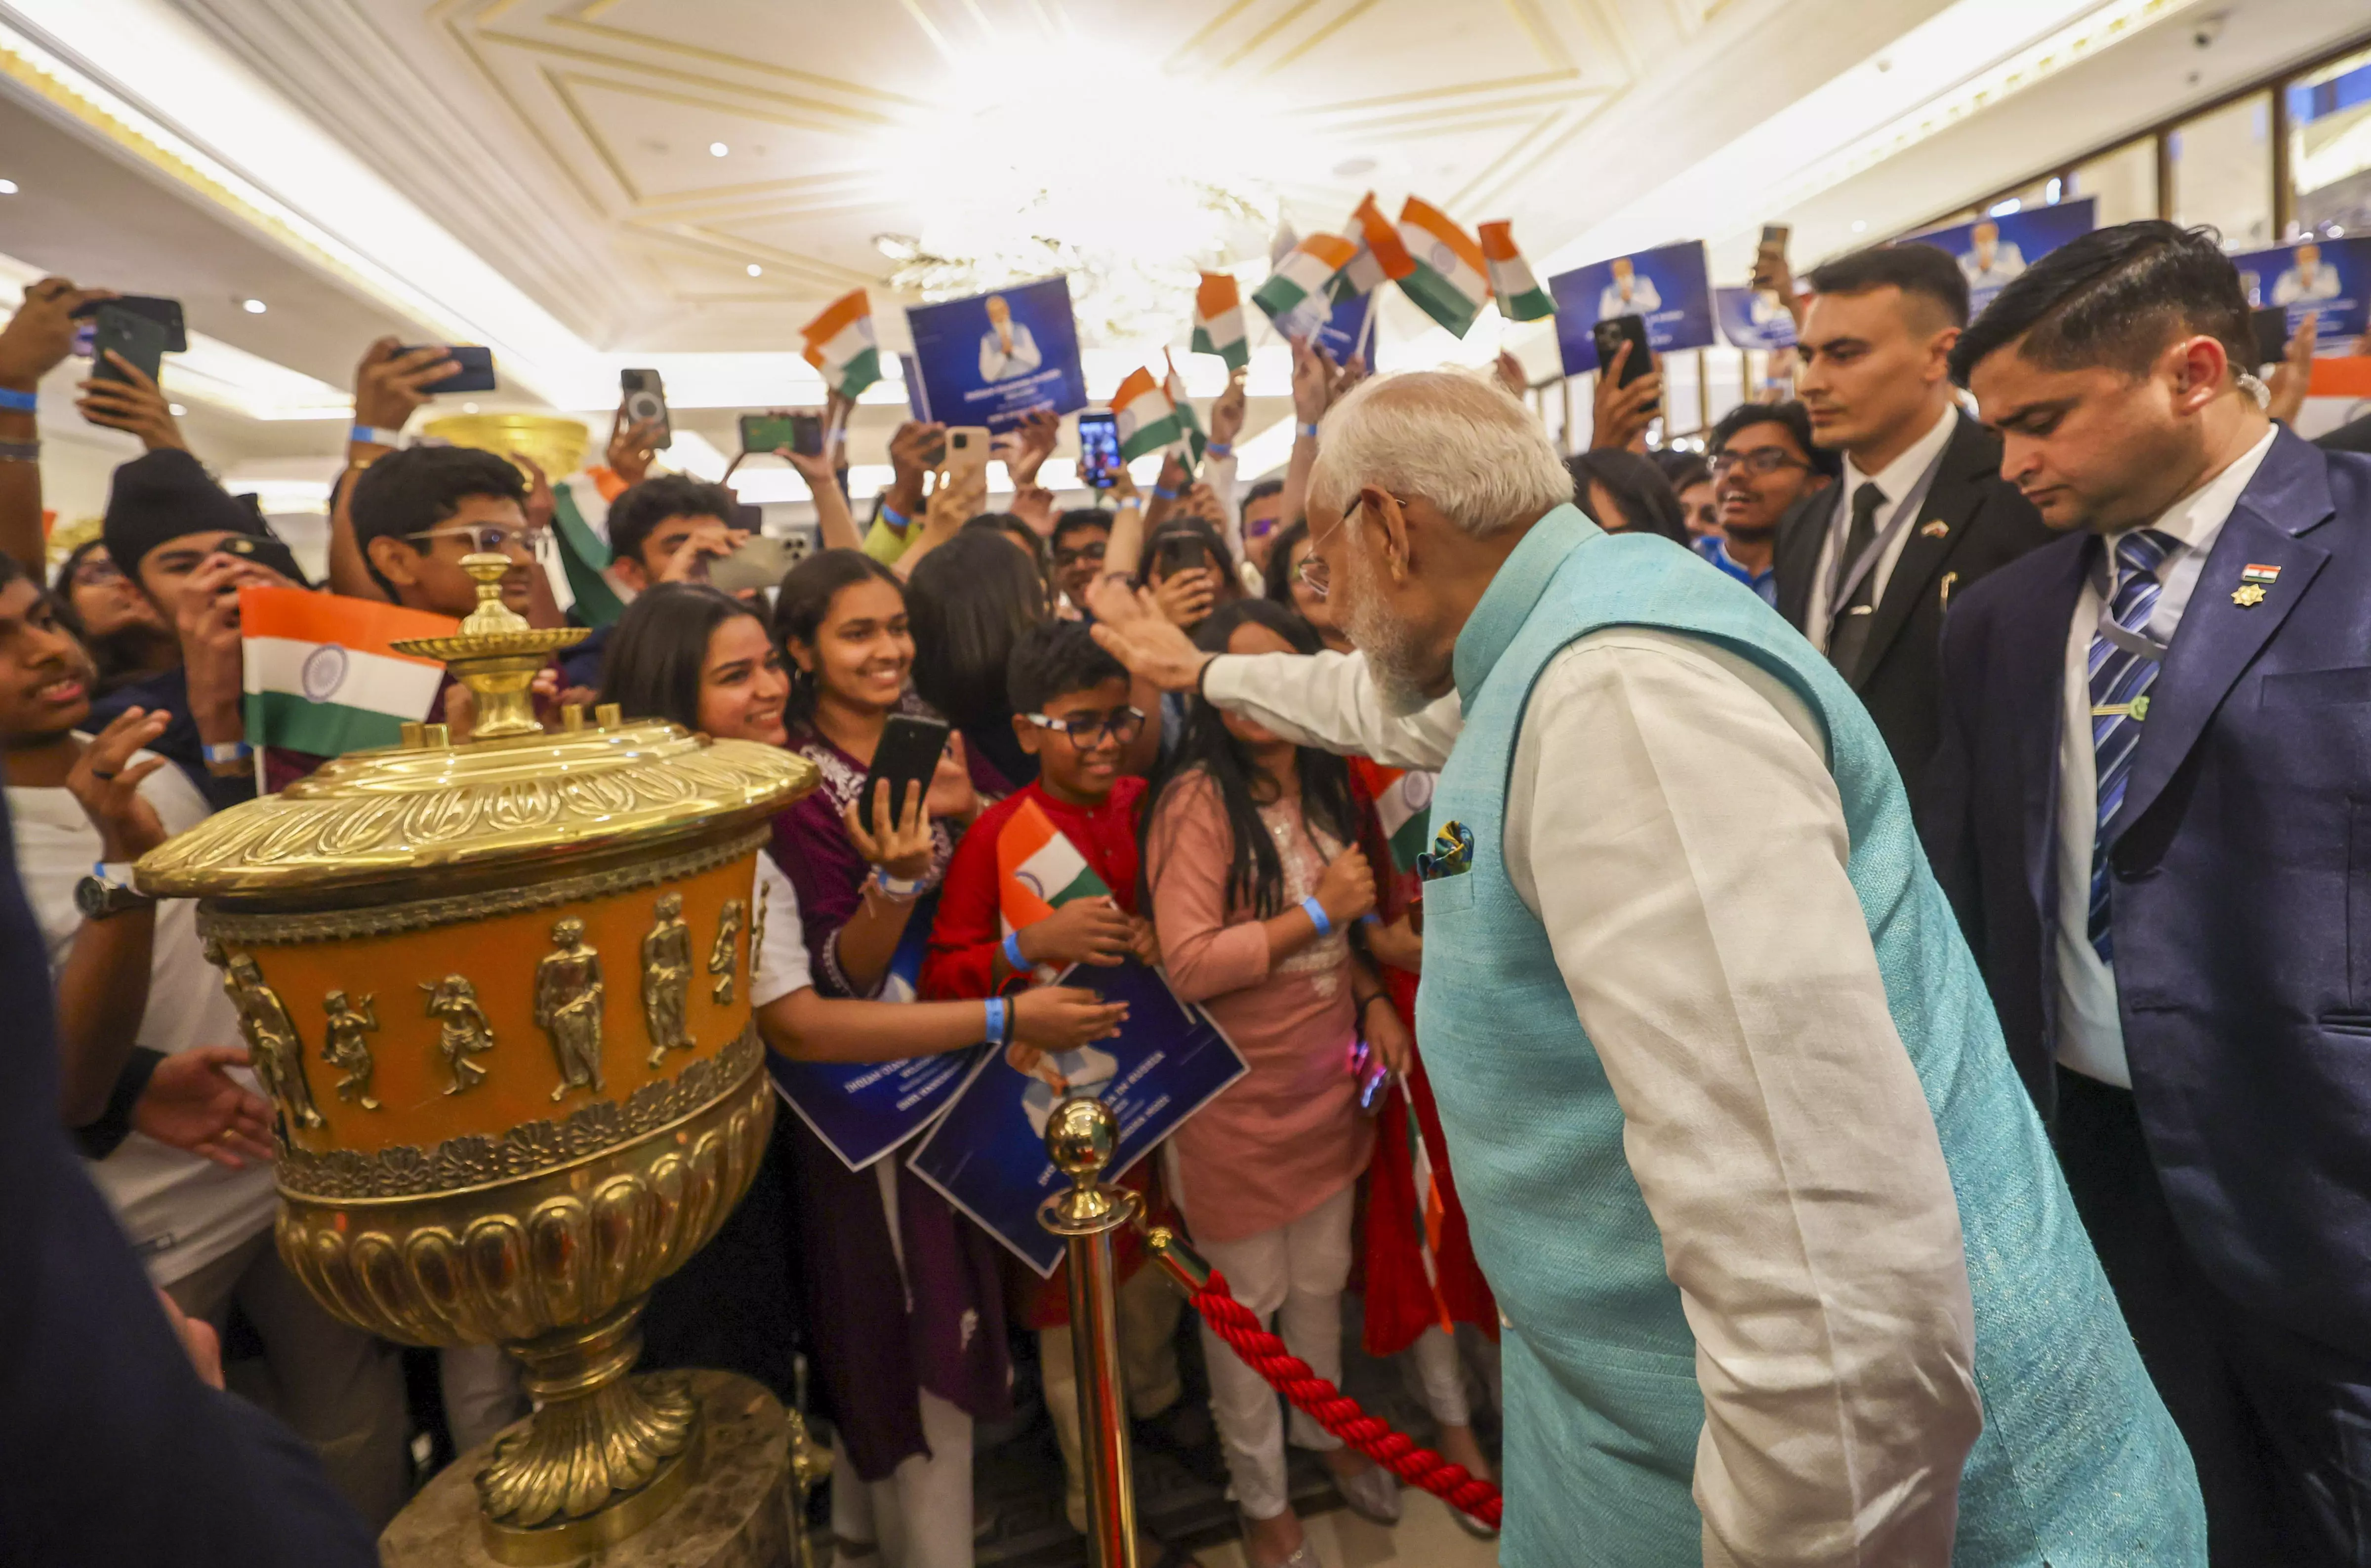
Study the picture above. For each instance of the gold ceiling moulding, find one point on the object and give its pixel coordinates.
(1352, 107)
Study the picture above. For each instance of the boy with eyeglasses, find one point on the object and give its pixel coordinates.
(1763, 464)
(1073, 714)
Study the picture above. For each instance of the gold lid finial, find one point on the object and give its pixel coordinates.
(496, 653)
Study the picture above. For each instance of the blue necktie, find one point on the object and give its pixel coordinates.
(2120, 680)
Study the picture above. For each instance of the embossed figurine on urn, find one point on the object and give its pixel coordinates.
(498, 995)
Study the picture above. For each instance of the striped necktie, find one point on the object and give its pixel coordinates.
(2120, 683)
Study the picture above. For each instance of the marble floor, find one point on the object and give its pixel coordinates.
(1426, 1535)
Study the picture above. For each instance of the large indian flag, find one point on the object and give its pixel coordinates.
(1451, 280)
(1219, 321)
(321, 677)
(1148, 420)
(1520, 297)
(839, 343)
(1302, 275)
(1038, 869)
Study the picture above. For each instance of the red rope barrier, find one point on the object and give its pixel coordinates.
(1336, 1411)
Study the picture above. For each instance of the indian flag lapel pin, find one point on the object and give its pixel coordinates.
(2253, 581)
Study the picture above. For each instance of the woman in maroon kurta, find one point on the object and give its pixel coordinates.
(903, 1302)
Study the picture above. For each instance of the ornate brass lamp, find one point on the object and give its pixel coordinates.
(498, 994)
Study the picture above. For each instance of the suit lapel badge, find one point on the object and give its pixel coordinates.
(2253, 581)
(1935, 529)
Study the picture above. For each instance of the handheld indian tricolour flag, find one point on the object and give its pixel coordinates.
(1519, 293)
(1189, 423)
(1219, 321)
(1451, 281)
(321, 676)
(1300, 280)
(839, 343)
(1038, 869)
(1148, 420)
(1381, 259)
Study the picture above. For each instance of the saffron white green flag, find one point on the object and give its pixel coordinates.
(1451, 280)
(322, 675)
(1380, 258)
(1148, 420)
(1189, 423)
(1219, 321)
(839, 343)
(1520, 297)
(1303, 276)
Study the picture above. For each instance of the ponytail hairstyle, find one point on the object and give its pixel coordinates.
(1255, 871)
(803, 605)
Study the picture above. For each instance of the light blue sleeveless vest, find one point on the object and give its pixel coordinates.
(2078, 1466)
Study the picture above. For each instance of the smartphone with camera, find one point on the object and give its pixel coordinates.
(908, 754)
(2272, 325)
(968, 452)
(802, 433)
(1099, 463)
(1610, 334)
(165, 313)
(1183, 552)
(1774, 237)
(644, 397)
(140, 341)
(760, 562)
(473, 368)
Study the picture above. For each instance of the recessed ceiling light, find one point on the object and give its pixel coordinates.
(755, 271)
(717, 149)
(469, 408)
(897, 247)
(1350, 168)
(8, 187)
(252, 306)
(174, 409)
(1860, 226)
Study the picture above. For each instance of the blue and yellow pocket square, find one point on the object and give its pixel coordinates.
(1452, 854)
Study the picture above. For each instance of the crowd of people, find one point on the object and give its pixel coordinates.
(1925, 837)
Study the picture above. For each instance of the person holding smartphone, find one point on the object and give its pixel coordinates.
(909, 1337)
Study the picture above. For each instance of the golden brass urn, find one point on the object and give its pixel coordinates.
(498, 994)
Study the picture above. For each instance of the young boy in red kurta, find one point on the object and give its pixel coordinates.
(1071, 712)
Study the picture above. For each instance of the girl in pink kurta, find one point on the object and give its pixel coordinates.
(1256, 878)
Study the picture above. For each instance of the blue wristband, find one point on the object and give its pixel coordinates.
(20, 402)
(1308, 430)
(1012, 953)
(375, 435)
(1316, 913)
(995, 1024)
(894, 518)
(1159, 494)
(1216, 449)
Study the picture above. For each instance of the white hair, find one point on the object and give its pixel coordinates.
(1463, 443)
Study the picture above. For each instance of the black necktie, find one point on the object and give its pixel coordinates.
(1848, 629)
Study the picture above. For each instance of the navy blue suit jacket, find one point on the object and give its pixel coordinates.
(112, 1454)
(2240, 877)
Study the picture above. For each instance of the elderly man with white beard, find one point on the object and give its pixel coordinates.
(1790, 1275)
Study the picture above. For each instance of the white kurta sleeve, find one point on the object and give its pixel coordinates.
(778, 959)
(1672, 821)
(1329, 701)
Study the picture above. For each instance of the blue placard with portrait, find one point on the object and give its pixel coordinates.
(988, 1153)
(993, 358)
(2329, 279)
(1671, 287)
(1993, 252)
(1753, 318)
(863, 1109)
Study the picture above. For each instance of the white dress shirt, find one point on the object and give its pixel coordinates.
(1895, 481)
(1688, 863)
(2090, 1033)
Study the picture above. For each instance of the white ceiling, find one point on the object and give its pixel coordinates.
(535, 173)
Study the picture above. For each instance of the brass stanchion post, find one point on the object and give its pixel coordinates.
(1080, 1139)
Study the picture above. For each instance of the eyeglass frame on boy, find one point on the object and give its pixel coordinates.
(1109, 724)
(492, 537)
(1762, 461)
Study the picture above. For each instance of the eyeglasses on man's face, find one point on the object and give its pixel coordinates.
(1760, 461)
(97, 571)
(492, 539)
(1065, 557)
(1122, 724)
